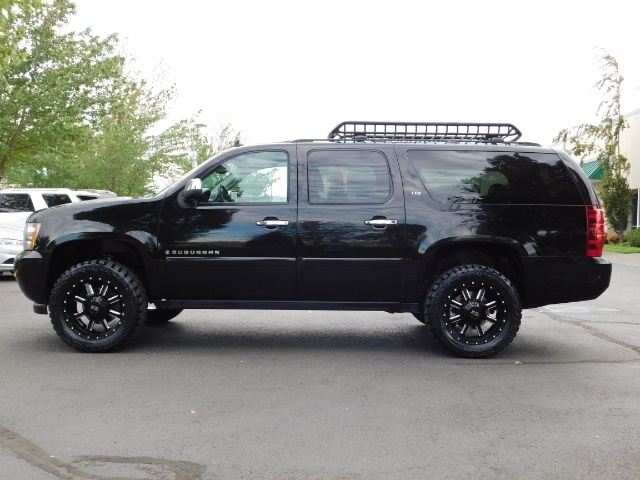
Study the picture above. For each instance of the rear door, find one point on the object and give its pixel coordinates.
(351, 224)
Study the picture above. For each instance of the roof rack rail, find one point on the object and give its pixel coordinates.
(424, 132)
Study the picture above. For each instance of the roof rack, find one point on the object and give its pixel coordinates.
(425, 132)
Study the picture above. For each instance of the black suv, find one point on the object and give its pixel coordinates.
(458, 224)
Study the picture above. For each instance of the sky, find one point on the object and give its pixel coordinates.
(282, 70)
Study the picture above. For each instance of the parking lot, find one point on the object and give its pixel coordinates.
(325, 395)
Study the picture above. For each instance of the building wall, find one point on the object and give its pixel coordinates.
(630, 147)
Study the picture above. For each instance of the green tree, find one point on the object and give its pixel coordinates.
(121, 155)
(603, 141)
(187, 144)
(71, 115)
(51, 83)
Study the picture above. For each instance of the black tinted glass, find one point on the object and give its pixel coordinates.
(348, 176)
(495, 177)
(53, 199)
(15, 202)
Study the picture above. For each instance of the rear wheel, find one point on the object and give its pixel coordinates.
(474, 311)
(96, 306)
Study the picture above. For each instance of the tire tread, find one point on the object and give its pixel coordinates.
(434, 324)
(128, 277)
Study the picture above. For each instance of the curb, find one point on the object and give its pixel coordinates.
(631, 259)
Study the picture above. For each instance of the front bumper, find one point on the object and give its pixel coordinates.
(31, 268)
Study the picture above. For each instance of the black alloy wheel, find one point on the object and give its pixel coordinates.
(473, 311)
(96, 306)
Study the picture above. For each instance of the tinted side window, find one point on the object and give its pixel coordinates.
(495, 177)
(348, 176)
(53, 199)
(257, 177)
(16, 202)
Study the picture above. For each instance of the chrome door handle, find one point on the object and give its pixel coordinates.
(272, 223)
(380, 222)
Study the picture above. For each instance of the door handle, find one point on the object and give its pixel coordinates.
(380, 222)
(272, 223)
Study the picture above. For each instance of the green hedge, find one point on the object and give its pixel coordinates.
(633, 237)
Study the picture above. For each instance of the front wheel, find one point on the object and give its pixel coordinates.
(96, 306)
(474, 311)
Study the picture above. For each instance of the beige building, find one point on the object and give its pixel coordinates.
(629, 147)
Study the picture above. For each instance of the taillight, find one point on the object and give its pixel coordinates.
(595, 231)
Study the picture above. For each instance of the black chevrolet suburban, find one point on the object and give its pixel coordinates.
(459, 224)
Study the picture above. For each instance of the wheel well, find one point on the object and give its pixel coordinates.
(502, 259)
(72, 253)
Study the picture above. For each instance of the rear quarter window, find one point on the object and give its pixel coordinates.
(486, 177)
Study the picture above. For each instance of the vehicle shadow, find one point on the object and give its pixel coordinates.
(397, 335)
(189, 334)
(344, 332)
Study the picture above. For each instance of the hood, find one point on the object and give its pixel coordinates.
(99, 207)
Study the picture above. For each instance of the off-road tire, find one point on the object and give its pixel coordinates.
(473, 311)
(96, 306)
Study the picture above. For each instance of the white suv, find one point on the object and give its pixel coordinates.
(16, 204)
(10, 247)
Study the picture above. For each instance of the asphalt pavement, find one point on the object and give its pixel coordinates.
(326, 395)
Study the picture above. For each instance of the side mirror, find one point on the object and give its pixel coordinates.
(192, 193)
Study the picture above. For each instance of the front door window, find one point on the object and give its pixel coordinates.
(257, 177)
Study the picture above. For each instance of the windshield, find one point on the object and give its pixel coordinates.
(15, 202)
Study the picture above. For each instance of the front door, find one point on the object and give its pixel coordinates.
(351, 224)
(240, 243)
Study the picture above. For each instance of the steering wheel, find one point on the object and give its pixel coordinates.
(223, 195)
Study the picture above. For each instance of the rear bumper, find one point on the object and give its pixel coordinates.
(548, 280)
(31, 273)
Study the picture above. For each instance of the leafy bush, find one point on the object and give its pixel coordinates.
(633, 237)
(612, 238)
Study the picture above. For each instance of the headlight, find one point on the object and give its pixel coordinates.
(30, 235)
